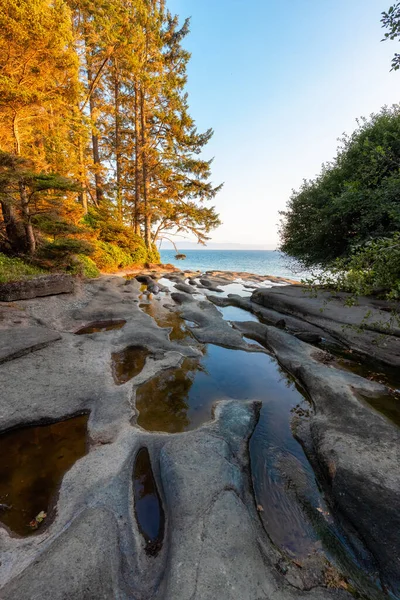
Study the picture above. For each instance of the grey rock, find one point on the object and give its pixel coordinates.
(358, 327)
(212, 329)
(44, 285)
(308, 336)
(183, 287)
(145, 279)
(214, 544)
(210, 285)
(17, 341)
(79, 566)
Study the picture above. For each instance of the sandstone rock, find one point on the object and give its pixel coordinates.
(45, 285)
(17, 341)
(367, 327)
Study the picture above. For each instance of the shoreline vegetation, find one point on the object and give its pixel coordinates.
(99, 156)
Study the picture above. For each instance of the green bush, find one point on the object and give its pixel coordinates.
(354, 199)
(85, 266)
(14, 269)
(153, 255)
(372, 269)
(109, 257)
(64, 247)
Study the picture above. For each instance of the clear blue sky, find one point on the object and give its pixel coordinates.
(279, 81)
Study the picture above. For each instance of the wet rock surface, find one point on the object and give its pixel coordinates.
(180, 509)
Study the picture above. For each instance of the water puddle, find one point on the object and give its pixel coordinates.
(386, 404)
(364, 368)
(100, 326)
(234, 313)
(167, 318)
(226, 289)
(168, 284)
(181, 399)
(33, 463)
(235, 288)
(148, 508)
(128, 363)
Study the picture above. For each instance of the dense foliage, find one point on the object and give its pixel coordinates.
(346, 220)
(96, 139)
(355, 198)
(12, 269)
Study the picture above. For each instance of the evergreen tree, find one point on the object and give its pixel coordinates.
(95, 92)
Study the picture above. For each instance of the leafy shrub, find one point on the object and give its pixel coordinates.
(120, 235)
(65, 247)
(354, 199)
(13, 269)
(109, 257)
(85, 266)
(372, 269)
(153, 255)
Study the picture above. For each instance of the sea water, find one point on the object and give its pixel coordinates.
(260, 262)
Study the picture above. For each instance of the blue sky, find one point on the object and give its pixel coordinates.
(280, 81)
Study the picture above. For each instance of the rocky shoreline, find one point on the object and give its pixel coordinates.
(213, 538)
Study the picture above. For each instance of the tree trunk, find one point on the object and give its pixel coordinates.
(15, 237)
(95, 137)
(117, 142)
(26, 217)
(147, 215)
(82, 193)
(30, 235)
(136, 224)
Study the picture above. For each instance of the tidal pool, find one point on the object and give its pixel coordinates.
(167, 318)
(33, 463)
(234, 313)
(128, 363)
(181, 399)
(99, 326)
(387, 405)
(148, 508)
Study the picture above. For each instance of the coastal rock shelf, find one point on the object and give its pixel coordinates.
(200, 439)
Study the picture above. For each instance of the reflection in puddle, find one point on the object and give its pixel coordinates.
(167, 283)
(149, 512)
(235, 288)
(363, 366)
(98, 326)
(181, 399)
(234, 313)
(33, 462)
(163, 402)
(128, 363)
(386, 404)
(386, 375)
(167, 318)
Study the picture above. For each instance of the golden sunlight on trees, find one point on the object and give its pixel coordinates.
(92, 96)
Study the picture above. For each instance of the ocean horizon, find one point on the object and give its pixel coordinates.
(259, 262)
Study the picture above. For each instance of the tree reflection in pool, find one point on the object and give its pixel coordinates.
(181, 399)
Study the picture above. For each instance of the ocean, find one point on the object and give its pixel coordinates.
(260, 262)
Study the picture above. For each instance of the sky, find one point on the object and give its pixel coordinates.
(279, 82)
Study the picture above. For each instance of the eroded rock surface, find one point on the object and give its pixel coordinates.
(17, 341)
(214, 543)
(360, 327)
(45, 285)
